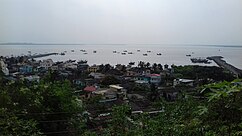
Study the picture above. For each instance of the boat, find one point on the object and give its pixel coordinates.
(94, 51)
(131, 63)
(62, 53)
(149, 51)
(138, 50)
(114, 51)
(188, 55)
(159, 54)
(72, 50)
(123, 53)
(145, 54)
(200, 60)
(130, 52)
(85, 53)
(82, 61)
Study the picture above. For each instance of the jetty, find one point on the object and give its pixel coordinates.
(41, 55)
(222, 63)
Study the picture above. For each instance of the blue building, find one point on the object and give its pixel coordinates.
(26, 69)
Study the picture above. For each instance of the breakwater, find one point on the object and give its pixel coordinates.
(222, 63)
(41, 55)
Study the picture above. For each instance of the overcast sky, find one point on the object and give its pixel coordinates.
(122, 21)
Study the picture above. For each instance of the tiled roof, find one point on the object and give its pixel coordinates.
(90, 89)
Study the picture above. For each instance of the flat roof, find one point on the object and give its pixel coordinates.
(115, 86)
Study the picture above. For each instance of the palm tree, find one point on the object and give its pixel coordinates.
(160, 66)
(147, 65)
(154, 66)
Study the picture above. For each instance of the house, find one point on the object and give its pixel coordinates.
(113, 93)
(79, 82)
(186, 82)
(70, 65)
(93, 68)
(33, 78)
(4, 67)
(142, 78)
(88, 91)
(169, 93)
(97, 75)
(130, 73)
(46, 63)
(26, 69)
(155, 78)
(82, 65)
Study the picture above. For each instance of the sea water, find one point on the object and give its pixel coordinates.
(171, 54)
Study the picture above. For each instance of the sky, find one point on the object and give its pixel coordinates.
(122, 21)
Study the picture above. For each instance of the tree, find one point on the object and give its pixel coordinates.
(109, 80)
(48, 106)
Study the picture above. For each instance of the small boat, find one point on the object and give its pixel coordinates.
(130, 52)
(145, 54)
(200, 60)
(62, 53)
(85, 53)
(123, 53)
(82, 62)
(138, 50)
(159, 54)
(131, 63)
(114, 51)
(188, 55)
(72, 50)
(94, 51)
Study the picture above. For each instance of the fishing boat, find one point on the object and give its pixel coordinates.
(200, 60)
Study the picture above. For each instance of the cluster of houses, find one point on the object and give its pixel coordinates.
(90, 88)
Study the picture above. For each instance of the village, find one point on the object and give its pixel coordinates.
(100, 87)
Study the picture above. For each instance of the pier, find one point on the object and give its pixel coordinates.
(222, 63)
(41, 55)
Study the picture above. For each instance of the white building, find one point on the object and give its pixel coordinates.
(4, 68)
(32, 78)
(186, 82)
(155, 78)
(47, 63)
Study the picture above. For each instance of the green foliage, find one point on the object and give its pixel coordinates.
(40, 105)
(218, 114)
(11, 125)
(202, 72)
(109, 80)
